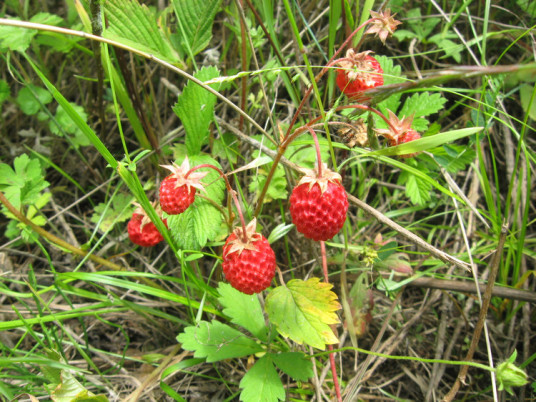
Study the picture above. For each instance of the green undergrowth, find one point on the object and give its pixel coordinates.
(87, 121)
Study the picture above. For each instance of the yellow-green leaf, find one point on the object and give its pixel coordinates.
(303, 311)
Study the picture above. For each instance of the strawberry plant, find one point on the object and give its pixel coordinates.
(264, 201)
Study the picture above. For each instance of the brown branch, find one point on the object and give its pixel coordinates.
(470, 287)
(486, 298)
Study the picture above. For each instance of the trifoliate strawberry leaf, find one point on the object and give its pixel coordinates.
(195, 19)
(451, 48)
(262, 383)
(137, 26)
(31, 99)
(195, 108)
(200, 223)
(196, 226)
(391, 75)
(295, 364)
(303, 311)
(216, 341)
(22, 185)
(422, 104)
(118, 210)
(417, 189)
(454, 157)
(244, 310)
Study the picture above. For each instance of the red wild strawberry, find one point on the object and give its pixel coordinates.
(177, 192)
(399, 132)
(408, 136)
(141, 230)
(318, 205)
(248, 260)
(358, 72)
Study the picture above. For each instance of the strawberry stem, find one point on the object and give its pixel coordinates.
(288, 138)
(330, 347)
(317, 148)
(229, 189)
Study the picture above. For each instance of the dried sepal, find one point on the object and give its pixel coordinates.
(241, 242)
(179, 173)
(398, 127)
(383, 24)
(311, 177)
(145, 218)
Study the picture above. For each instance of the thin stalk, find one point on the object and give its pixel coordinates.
(244, 79)
(317, 148)
(330, 347)
(229, 189)
(486, 299)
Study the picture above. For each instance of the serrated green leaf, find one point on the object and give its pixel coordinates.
(201, 222)
(303, 311)
(421, 26)
(63, 123)
(31, 99)
(195, 108)
(194, 227)
(119, 210)
(262, 383)
(47, 19)
(451, 48)
(137, 26)
(216, 341)
(417, 190)
(244, 310)
(22, 184)
(15, 38)
(196, 19)
(403, 34)
(295, 364)
(391, 75)
(454, 157)
(422, 104)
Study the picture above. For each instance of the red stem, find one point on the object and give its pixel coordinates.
(322, 72)
(317, 147)
(229, 189)
(330, 347)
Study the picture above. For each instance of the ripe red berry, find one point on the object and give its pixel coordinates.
(408, 136)
(177, 191)
(142, 231)
(399, 131)
(358, 72)
(248, 262)
(318, 205)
